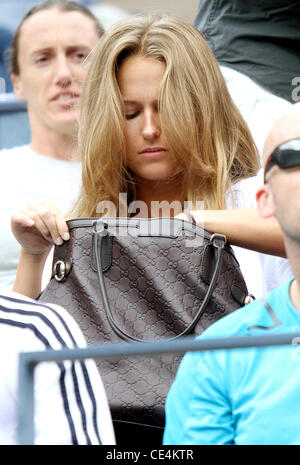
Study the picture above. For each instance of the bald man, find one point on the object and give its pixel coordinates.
(251, 396)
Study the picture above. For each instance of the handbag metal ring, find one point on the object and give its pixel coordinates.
(59, 270)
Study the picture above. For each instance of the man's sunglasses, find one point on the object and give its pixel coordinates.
(286, 155)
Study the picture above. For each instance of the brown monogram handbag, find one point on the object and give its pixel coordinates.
(132, 279)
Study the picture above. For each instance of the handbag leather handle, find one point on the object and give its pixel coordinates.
(217, 240)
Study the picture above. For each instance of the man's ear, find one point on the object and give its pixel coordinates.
(17, 84)
(264, 201)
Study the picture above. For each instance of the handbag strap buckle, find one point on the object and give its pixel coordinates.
(100, 227)
(218, 240)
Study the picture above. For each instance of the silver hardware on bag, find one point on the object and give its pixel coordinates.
(218, 240)
(61, 269)
(100, 226)
(248, 299)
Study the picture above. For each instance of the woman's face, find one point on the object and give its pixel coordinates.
(147, 153)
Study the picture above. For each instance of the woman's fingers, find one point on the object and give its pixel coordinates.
(29, 234)
(39, 226)
(44, 224)
(61, 225)
(49, 221)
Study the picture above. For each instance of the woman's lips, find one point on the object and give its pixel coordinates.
(152, 153)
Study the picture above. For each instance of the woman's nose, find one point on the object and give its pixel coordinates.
(152, 128)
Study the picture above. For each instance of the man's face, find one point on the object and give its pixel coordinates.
(285, 192)
(280, 195)
(52, 47)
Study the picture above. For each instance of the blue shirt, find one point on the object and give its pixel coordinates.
(241, 396)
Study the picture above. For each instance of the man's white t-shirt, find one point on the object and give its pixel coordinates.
(27, 177)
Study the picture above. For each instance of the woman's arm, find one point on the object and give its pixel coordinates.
(37, 229)
(29, 274)
(243, 228)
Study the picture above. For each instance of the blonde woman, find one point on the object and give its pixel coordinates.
(157, 124)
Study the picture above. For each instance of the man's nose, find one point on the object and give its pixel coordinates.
(63, 72)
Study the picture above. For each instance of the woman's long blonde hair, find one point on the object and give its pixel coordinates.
(203, 128)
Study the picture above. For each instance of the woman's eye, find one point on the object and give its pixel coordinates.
(131, 115)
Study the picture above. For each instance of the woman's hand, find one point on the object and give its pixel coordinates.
(38, 227)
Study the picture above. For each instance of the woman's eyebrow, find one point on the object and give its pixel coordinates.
(130, 102)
